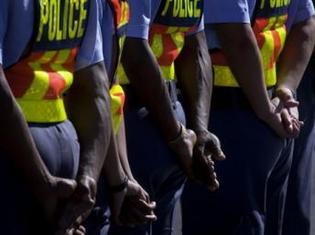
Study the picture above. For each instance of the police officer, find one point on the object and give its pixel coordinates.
(161, 41)
(300, 195)
(135, 199)
(48, 48)
(253, 113)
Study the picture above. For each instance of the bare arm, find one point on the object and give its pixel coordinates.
(16, 139)
(241, 50)
(145, 76)
(242, 53)
(18, 144)
(194, 74)
(88, 107)
(296, 54)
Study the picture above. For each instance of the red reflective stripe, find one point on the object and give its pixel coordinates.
(69, 64)
(218, 58)
(21, 75)
(260, 25)
(277, 47)
(56, 81)
(170, 51)
(117, 11)
(158, 28)
(121, 96)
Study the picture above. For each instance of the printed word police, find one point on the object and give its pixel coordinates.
(182, 8)
(274, 3)
(62, 19)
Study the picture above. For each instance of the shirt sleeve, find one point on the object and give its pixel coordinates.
(304, 11)
(91, 48)
(108, 32)
(4, 9)
(139, 21)
(200, 27)
(226, 11)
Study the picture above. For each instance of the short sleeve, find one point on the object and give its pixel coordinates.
(200, 27)
(91, 48)
(108, 31)
(226, 11)
(4, 9)
(304, 11)
(140, 17)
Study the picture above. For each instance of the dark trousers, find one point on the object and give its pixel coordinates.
(154, 167)
(253, 177)
(59, 148)
(298, 213)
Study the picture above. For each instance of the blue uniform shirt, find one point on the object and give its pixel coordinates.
(241, 11)
(142, 14)
(16, 29)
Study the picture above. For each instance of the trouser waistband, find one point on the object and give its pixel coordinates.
(132, 100)
(231, 97)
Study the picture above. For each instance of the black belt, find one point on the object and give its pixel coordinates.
(232, 97)
(133, 101)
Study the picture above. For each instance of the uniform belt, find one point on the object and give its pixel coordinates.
(231, 97)
(133, 102)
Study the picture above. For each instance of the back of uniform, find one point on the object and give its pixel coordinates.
(153, 164)
(298, 216)
(42, 43)
(253, 178)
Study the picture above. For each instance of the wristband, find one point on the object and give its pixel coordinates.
(120, 187)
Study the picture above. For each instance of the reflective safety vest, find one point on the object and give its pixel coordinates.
(121, 15)
(167, 33)
(269, 26)
(45, 72)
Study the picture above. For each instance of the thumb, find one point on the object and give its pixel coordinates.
(213, 147)
(291, 103)
(65, 187)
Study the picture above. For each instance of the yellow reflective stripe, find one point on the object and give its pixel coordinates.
(168, 72)
(43, 111)
(63, 55)
(178, 39)
(157, 45)
(223, 76)
(124, 14)
(121, 75)
(271, 76)
(39, 85)
(267, 49)
(116, 94)
(173, 29)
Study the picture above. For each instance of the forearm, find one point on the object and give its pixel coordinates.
(194, 74)
(242, 53)
(113, 170)
(296, 54)
(122, 150)
(145, 76)
(17, 142)
(88, 107)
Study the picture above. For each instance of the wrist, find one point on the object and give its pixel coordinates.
(119, 187)
(265, 112)
(175, 133)
(284, 92)
(88, 172)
